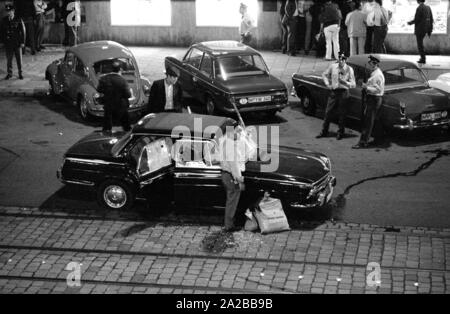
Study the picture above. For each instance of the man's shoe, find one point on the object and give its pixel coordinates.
(339, 136)
(360, 145)
(322, 134)
(8, 76)
(20, 77)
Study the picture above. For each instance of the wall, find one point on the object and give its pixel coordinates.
(184, 31)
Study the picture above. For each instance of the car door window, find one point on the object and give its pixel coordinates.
(194, 58)
(206, 67)
(154, 154)
(196, 154)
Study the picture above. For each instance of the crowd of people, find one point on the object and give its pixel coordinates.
(348, 26)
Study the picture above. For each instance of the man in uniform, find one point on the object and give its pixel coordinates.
(116, 93)
(338, 77)
(12, 33)
(374, 90)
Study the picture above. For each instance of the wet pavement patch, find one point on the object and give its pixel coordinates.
(218, 242)
(133, 230)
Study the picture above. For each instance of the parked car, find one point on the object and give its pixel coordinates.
(219, 73)
(149, 162)
(409, 103)
(76, 76)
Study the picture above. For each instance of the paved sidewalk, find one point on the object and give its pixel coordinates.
(151, 63)
(134, 256)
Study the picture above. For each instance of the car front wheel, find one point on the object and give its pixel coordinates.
(115, 194)
(308, 105)
(83, 108)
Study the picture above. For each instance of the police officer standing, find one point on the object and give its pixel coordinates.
(374, 89)
(338, 77)
(116, 93)
(12, 33)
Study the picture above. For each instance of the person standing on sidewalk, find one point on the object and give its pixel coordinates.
(308, 19)
(423, 25)
(374, 89)
(368, 10)
(338, 78)
(290, 22)
(346, 6)
(25, 11)
(356, 30)
(232, 168)
(116, 92)
(330, 21)
(247, 25)
(39, 22)
(12, 34)
(284, 31)
(301, 26)
(381, 18)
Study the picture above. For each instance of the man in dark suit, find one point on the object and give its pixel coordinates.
(423, 25)
(165, 94)
(116, 93)
(12, 34)
(290, 22)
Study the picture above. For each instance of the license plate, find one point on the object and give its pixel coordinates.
(431, 116)
(259, 99)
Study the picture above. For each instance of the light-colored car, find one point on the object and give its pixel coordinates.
(76, 76)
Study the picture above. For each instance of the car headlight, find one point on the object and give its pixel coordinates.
(444, 114)
(146, 89)
(243, 101)
(96, 98)
(326, 162)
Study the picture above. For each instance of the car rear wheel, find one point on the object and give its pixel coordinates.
(210, 106)
(83, 108)
(115, 194)
(308, 104)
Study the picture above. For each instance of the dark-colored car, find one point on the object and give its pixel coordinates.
(154, 161)
(408, 103)
(219, 73)
(76, 76)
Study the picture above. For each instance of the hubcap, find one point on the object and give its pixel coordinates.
(115, 196)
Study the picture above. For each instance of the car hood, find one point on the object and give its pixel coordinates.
(94, 145)
(295, 164)
(422, 100)
(252, 84)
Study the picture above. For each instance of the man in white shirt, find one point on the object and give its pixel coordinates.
(247, 25)
(374, 89)
(368, 9)
(39, 21)
(338, 78)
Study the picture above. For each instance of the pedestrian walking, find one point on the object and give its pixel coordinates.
(284, 30)
(338, 78)
(381, 18)
(315, 10)
(346, 6)
(165, 94)
(374, 90)
(232, 165)
(423, 25)
(39, 23)
(115, 94)
(356, 29)
(12, 34)
(367, 10)
(247, 25)
(308, 29)
(301, 26)
(330, 21)
(290, 21)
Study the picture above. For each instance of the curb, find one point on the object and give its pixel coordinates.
(23, 92)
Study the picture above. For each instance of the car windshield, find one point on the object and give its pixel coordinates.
(245, 65)
(405, 76)
(105, 66)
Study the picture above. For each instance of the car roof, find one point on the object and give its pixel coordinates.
(164, 123)
(225, 47)
(94, 51)
(387, 62)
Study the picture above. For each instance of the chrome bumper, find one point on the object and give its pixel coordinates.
(322, 197)
(276, 106)
(411, 125)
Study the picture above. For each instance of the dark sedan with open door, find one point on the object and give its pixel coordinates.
(153, 161)
(408, 103)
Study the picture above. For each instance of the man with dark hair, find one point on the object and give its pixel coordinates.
(12, 34)
(374, 89)
(338, 77)
(165, 94)
(116, 92)
(25, 11)
(423, 25)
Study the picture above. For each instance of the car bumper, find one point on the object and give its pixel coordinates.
(321, 198)
(265, 107)
(413, 125)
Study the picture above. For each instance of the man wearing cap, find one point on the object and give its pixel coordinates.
(116, 93)
(374, 89)
(338, 77)
(12, 34)
(165, 94)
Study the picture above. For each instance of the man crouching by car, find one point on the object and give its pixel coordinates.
(116, 93)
